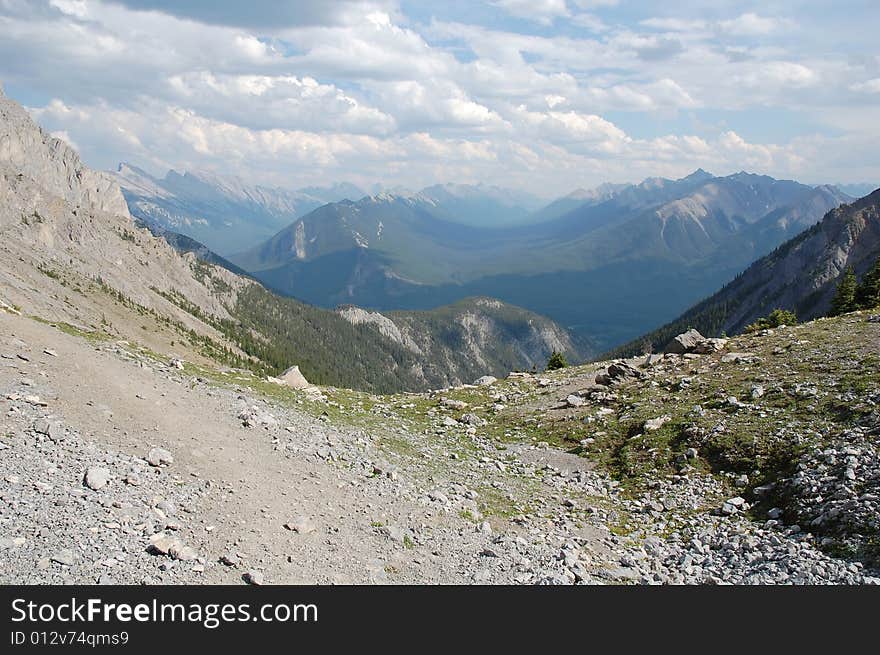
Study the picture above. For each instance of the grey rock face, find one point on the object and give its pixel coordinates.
(59, 170)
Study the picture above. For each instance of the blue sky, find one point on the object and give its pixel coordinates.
(544, 95)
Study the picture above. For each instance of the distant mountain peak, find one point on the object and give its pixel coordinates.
(699, 174)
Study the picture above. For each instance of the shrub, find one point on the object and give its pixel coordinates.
(844, 300)
(773, 320)
(867, 293)
(556, 361)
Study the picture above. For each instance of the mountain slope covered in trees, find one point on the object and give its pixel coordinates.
(801, 276)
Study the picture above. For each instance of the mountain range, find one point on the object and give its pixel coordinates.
(222, 212)
(72, 254)
(608, 264)
(801, 276)
(228, 215)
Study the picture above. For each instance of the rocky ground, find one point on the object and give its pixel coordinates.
(729, 465)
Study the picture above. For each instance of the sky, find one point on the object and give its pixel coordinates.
(539, 95)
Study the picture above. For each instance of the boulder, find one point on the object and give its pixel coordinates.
(97, 478)
(293, 378)
(618, 372)
(709, 346)
(685, 342)
(486, 381)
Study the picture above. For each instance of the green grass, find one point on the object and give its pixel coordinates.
(72, 330)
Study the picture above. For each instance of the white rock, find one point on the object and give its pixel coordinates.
(159, 457)
(97, 478)
(301, 525)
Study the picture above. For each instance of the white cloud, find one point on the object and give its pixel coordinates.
(360, 90)
(779, 74)
(750, 24)
(868, 86)
(541, 11)
(675, 24)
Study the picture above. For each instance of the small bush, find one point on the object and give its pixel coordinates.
(773, 320)
(556, 361)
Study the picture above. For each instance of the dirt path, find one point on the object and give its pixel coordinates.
(358, 525)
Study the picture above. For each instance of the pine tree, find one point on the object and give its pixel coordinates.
(845, 299)
(868, 290)
(557, 360)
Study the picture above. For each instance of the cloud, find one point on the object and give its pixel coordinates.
(262, 14)
(541, 11)
(750, 24)
(779, 74)
(869, 86)
(744, 25)
(574, 93)
(284, 101)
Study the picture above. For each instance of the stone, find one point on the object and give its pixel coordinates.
(618, 372)
(162, 543)
(684, 342)
(709, 346)
(181, 552)
(301, 525)
(97, 478)
(294, 378)
(574, 401)
(395, 533)
(65, 556)
(52, 429)
(472, 419)
(485, 381)
(255, 417)
(253, 577)
(159, 457)
(657, 423)
(738, 358)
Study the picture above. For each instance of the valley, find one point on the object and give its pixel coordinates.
(155, 432)
(658, 246)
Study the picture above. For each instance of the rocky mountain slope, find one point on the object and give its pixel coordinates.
(659, 246)
(755, 463)
(71, 253)
(801, 276)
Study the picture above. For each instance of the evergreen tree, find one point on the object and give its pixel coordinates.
(845, 299)
(557, 360)
(868, 290)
